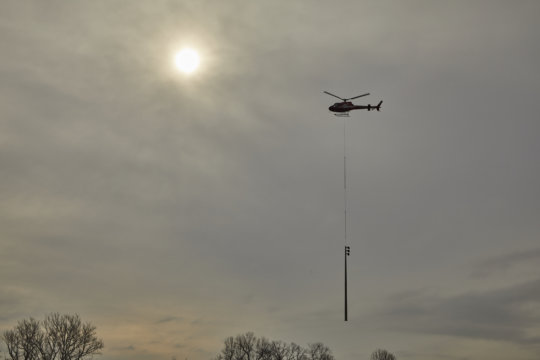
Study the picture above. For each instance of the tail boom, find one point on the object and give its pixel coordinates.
(370, 107)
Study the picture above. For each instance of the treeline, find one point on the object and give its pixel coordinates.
(249, 347)
(66, 337)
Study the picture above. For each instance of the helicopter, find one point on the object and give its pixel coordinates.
(343, 108)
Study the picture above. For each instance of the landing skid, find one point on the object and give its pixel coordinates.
(344, 114)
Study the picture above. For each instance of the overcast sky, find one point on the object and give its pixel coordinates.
(173, 211)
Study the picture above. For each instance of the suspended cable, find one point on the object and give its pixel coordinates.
(347, 248)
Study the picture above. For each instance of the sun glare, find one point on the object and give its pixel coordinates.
(187, 60)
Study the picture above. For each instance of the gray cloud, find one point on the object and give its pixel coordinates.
(500, 314)
(505, 262)
(128, 348)
(411, 355)
(169, 319)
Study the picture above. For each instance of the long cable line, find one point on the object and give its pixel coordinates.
(347, 248)
(345, 174)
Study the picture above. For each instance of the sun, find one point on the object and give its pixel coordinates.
(187, 60)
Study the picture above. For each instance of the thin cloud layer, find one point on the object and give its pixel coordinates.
(498, 264)
(174, 212)
(507, 314)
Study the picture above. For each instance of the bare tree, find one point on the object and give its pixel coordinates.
(228, 352)
(381, 354)
(245, 345)
(58, 337)
(264, 350)
(23, 342)
(319, 351)
(249, 347)
(280, 350)
(296, 352)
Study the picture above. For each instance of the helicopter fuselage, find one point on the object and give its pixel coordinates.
(345, 106)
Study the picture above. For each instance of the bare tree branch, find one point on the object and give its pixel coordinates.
(381, 354)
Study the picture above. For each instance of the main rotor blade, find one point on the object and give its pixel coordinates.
(326, 92)
(356, 97)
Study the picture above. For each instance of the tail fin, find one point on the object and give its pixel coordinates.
(378, 107)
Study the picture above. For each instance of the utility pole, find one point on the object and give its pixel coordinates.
(347, 253)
